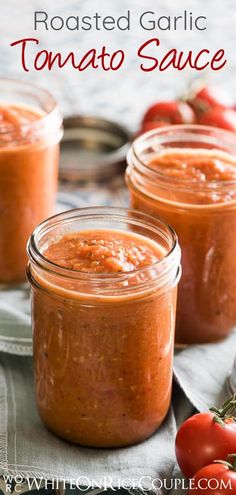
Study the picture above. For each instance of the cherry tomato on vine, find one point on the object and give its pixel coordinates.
(225, 118)
(207, 97)
(149, 126)
(215, 479)
(170, 112)
(206, 437)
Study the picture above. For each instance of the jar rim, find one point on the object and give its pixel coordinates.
(194, 130)
(159, 276)
(40, 260)
(52, 112)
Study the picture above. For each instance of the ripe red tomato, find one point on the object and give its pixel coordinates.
(224, 118)
(206, 437)
(207, 97)
(170, 112)
(214, 479)
(149, 126)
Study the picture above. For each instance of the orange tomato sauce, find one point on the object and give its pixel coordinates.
(28, 171)
(198, 203)
(103, 365)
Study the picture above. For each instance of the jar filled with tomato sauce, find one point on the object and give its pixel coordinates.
(30, 130)
(104, 283)
(187, 175)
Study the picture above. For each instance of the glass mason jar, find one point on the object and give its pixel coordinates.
(30, 130)
(204, 216)
(103, 343)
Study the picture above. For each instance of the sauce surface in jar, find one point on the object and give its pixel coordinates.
(15, 120)
(104, 252)
(103, 360)
(193, 188)
(28, 167)
(197, 165)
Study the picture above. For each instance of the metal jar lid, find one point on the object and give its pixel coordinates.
(92, 149)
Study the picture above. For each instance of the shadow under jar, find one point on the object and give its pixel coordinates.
(104, 283)
(187, 176)
(30, 130)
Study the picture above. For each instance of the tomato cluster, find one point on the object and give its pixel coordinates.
(206, 450)
(204, 105)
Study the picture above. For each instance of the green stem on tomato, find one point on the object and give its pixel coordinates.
(227, 410)
(230, 463)
(232, 459)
